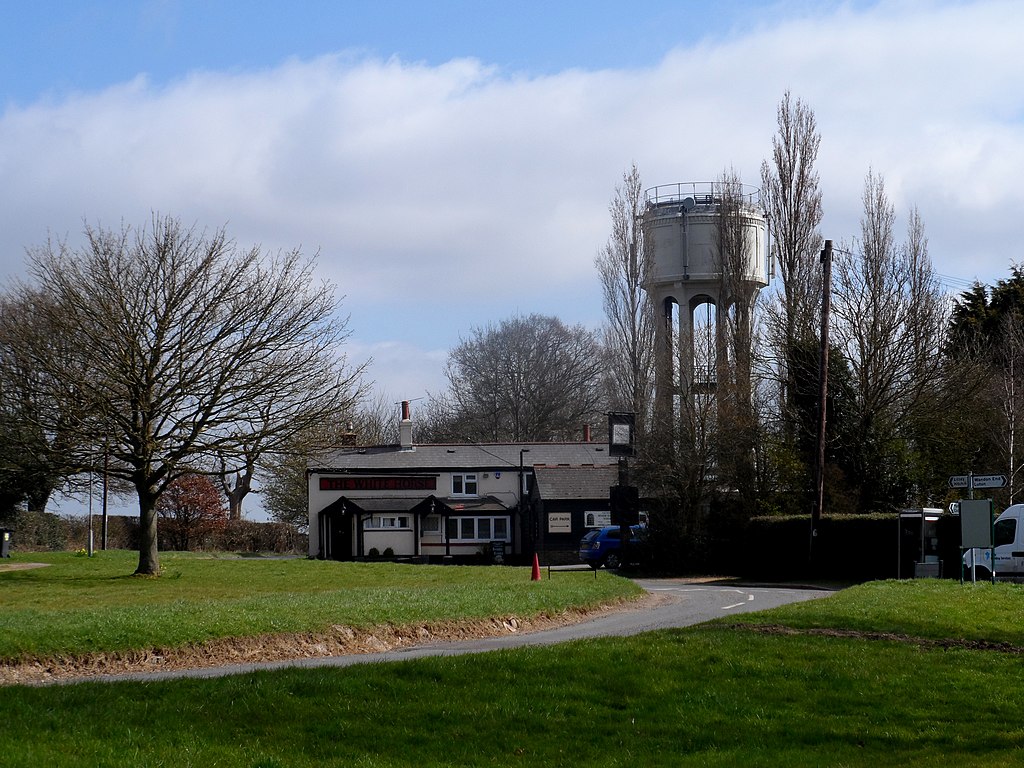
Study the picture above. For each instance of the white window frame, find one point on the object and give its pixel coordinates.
(465, 479)
(387, 523)
(494, 521)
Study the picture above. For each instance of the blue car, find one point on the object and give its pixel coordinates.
(604, 546)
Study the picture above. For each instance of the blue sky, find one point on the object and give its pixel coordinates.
(452, 162)
(59, 47)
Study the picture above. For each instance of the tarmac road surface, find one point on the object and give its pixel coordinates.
(685, 603)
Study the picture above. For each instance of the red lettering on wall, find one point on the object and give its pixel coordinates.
(378, 483)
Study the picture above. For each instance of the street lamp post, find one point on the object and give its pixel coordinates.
(526, 521)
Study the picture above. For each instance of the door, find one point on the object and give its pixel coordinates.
(339, 536)
(1009, 557)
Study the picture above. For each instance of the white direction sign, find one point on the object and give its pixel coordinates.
(977, 481)
(989, 481)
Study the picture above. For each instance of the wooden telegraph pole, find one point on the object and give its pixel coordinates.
(819, 469)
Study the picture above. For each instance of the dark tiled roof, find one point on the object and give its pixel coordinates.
(464, 456)
(575, 482)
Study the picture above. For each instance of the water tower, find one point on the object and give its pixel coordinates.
(709, 248)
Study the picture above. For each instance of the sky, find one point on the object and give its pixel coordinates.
(451, 163)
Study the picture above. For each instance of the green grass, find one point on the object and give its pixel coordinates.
(720, 694)
(82, 605)
(708, 696)
(928, 608)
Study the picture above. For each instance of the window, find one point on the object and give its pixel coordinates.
(476, 528)
(432, 524)
(386, 521)
(1005, 531)
(464, 485)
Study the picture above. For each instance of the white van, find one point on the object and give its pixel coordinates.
(1008, 540)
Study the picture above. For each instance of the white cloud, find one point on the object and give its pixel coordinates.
(446, 197)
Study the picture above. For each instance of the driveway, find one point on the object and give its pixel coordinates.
(679, 603)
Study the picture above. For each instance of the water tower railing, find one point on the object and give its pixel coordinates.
(702, 193)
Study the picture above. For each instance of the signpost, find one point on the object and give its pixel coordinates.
(990, 481)
(976, 525)
(971, 481)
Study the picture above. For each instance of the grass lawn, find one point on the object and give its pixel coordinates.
(82, 605)
(714, 695)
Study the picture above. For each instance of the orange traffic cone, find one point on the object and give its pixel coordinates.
(535, 576)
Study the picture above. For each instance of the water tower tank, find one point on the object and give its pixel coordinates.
(697, 261)
(683, 221)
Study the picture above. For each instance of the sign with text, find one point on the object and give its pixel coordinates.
(559, 522)
(378, 483)
(977, 481)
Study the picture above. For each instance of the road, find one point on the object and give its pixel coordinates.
(683, 603)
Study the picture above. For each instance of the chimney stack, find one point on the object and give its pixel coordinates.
(586, 433)
(405, 428)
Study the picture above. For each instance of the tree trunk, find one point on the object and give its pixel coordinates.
(149, 557)
(39, 497)
(237, 492)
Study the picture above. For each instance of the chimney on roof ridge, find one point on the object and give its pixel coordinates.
(586, 433)
(405, 428)
(349, 438)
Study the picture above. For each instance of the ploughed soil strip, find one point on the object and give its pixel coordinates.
(948, 643)
(337, 640)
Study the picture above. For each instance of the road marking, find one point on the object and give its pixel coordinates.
(750, 599)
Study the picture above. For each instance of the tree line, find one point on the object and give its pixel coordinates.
(155, 354)
(922, 384)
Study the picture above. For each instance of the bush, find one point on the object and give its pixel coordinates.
(42, 531)
(847, 548)
(249, 536)
(38, 531)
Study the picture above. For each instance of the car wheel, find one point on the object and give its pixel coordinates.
(611, 561)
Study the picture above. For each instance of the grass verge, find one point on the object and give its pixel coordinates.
(710, 696)
(80, 605)
(713, 695)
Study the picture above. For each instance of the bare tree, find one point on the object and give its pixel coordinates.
(792, 202)
(283, 486)
(1005, 390)
(36, 427)
(736, 437)
(623, 267)
(526, 378)
(182, 348)
(890, 316)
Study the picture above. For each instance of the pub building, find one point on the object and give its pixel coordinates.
(451, 502)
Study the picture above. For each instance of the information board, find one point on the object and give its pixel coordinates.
(976, 523)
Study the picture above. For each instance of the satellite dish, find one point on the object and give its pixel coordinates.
(689, 204)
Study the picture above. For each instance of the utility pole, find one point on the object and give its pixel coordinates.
(819, 469)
